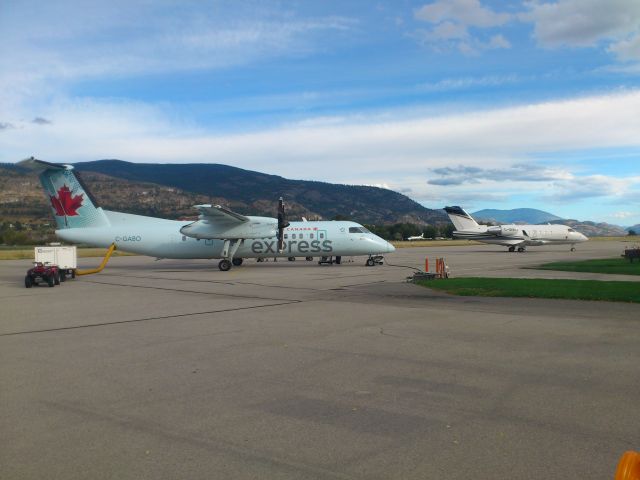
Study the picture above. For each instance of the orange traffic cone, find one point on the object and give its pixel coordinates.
(628, 467)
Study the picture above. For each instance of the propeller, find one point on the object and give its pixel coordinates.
(282, 224)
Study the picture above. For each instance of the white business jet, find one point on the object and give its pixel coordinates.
(513, 236)
(416, 237)
(218, 233)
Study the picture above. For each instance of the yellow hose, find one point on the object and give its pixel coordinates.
(102, 265)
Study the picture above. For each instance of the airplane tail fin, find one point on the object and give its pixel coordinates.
(71, 203)
(461, 219)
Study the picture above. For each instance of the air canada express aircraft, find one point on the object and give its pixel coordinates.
(218, 233)
(512, 236)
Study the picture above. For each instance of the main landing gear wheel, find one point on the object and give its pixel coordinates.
(224, 265)
(338, 259)
(309, 259)
(291, 259)
(521, 249)
(573, 249)
(237, 262)
(512, 249)
(370, 262)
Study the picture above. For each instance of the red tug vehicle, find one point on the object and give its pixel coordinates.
(42, 271)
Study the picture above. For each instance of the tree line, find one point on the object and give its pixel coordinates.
(17, 233)
(402, 231)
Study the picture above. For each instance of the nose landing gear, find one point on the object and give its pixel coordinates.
(374, 260)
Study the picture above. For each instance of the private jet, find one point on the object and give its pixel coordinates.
(513, 236)
(416, 237)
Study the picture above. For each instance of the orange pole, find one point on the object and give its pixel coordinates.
(629, 466)
(426, 264)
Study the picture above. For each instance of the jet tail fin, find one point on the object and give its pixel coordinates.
(71, 203)
(461, 219)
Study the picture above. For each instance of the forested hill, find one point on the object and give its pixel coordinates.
(256, 193)
(170, 191)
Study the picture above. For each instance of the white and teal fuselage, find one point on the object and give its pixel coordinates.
(80, 220)
(162, 239)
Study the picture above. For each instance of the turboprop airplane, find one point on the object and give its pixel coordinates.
(416, 237)
(219, 233)
(512, 236)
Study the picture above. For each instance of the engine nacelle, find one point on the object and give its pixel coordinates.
(504, 230)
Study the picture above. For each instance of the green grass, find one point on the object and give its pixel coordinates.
(620, 266)
(26, 253)
(539, 288)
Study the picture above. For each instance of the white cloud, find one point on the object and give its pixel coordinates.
(390, 151)
(624, 215)
(498, 41)
(464, 12)
(590, 186)
(447, 31)
(39, 58)
(451, 20)
(582, 23)
(587, 23)
(627, 50)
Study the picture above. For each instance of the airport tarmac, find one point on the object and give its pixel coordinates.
(173, 369)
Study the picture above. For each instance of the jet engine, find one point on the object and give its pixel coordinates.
(503, 230)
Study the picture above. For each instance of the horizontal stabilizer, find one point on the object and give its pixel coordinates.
(40, 165)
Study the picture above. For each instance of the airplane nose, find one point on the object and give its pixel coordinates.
(390, 248)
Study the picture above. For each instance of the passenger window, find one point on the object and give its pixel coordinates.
(286, 235)
(322, 235)
(311, 236)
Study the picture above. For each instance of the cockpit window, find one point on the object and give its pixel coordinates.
(571, 230)
(358, 230)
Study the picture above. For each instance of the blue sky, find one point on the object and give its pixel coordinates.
(478, 103)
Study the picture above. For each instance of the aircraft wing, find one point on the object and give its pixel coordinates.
(217, 222)
(219, 214)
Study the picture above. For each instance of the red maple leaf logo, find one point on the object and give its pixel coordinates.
(65, 204)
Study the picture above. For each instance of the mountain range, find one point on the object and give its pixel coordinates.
(171, 190)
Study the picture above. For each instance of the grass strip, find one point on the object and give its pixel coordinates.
(538, 288)
(619, 266)
(27, 253)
